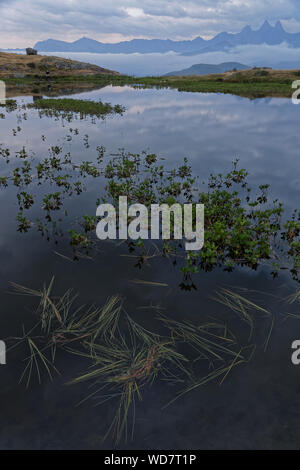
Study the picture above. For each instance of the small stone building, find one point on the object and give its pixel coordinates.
(30, 51)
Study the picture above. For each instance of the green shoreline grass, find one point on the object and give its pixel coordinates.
(84, 107)
(241, 84)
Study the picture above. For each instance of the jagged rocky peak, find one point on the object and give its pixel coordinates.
(265, 33)
(247, 29)
(266, 26)
(279, 26)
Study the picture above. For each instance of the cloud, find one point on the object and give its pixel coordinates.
(23, 22)
(280, 56)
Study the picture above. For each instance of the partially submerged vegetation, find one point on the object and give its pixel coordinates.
(65, 110)
(83, 107)
(241, 227)
(122, 357)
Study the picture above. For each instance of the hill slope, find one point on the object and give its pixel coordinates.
(18, 65)
(206, 69)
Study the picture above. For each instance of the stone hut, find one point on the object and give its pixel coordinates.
(30, 51)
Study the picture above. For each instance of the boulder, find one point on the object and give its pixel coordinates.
(30, 51)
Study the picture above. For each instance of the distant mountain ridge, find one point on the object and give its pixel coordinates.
(206, 69)
(143, 46)
(267, 34)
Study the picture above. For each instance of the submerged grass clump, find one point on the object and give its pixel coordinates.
(83, 107)
(294, 298)
(122, 357)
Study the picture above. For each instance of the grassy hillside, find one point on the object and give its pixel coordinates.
(19, 66)
(205, 69)
(250, 83)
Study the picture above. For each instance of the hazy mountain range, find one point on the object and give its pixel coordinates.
(267, 34)
(205, 69)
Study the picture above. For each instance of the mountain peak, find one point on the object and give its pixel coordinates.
(266, 26)
(84, 38)
(247, 29)
(279, 26)
(267, 34)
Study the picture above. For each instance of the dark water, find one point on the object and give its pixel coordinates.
(257, 405)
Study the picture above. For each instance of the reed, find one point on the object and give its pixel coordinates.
(123, 358)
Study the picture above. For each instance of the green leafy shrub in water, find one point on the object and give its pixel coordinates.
(242, 228)
(10, 105)
(84, 107)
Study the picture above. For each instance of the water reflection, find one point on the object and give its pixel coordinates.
(211, 130)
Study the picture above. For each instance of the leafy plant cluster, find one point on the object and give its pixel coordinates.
(241, 226)
(70, 106)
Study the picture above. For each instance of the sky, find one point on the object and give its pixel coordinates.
(24, 22)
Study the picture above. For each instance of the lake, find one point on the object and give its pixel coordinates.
(256, 407)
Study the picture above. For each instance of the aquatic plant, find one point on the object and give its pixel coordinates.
(68, 106)
(242, 228)
(10, 105)
(248, 84)
(122, 356)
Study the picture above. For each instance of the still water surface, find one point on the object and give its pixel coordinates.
(257, 406)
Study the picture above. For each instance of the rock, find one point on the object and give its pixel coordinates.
(30, 51)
